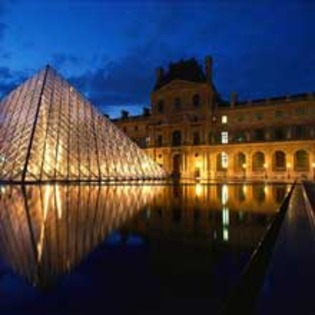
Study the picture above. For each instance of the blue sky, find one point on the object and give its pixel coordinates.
(110, 49)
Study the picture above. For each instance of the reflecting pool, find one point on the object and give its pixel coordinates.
(128, 249)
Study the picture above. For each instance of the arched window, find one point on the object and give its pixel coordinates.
(258, 161)
(196, 100)
(279, 161)
(240, 161)
(301, 160)
(196, 138)
(176, 138)
(222, 161)
(177, 103)
(160, 106)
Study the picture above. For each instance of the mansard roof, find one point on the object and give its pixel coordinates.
(188, 70)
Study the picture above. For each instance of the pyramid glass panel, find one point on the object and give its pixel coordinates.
(50, 132)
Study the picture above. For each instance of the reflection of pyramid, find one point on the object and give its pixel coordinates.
(49, 132)
(46, 230)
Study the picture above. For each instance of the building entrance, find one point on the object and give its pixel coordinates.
(177, 162)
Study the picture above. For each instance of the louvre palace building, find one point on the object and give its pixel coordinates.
(195, 134)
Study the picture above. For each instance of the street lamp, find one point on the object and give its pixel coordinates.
(313, 166)
(244, 170)
(288, 167)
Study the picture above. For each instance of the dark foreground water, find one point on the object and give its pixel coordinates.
(128, 249)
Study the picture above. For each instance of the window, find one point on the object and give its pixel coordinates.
(177, 103)
(279, 134)
(222, 161)
(300, 132)
(224, 137)
(278, 113)
(259, 135)
(258, 161)
(224, 119)
(240, 136)
(196, 138)
(258, 116)
(279, 161)
(196, 100)
(147, 141)
(176, 138)
(240, 162)
(159, 140)
(301, 161)
(300, 111)
(160, 107)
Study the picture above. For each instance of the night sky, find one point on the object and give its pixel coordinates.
(110, 50)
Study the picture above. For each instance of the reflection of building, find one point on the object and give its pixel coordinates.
(192, 132)
(45, 231)
(234, 214)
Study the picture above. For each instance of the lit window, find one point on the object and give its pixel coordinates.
(224, 137)
(224, 119)
(224, 160)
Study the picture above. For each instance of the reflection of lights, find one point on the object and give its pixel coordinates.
(46, 200)
(225, 216)
(288, 165)
(244, 165)
(225, 234)
(198, 164)
(313, 164)
(241, 215)
(58, 202)
(265, 165)
(198, 189)
(224, 196)
(266, 189)
(244, 188)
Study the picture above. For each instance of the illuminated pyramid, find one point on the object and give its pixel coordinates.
(50, 132)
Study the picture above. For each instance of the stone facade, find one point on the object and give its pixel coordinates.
(193, 133)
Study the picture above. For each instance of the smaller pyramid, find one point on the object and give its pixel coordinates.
(50, 132)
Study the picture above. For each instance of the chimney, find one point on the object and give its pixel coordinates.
(159, 73)
(146, 111)
(124, 114)
(233, 99)
(208, 66)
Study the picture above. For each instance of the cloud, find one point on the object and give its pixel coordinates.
(122, 83)
(10, 80)
(60, 60)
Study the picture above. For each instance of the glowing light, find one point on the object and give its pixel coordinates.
(225, 234)
(224, 195)
(58, 202)
(244, 188)
(265, 165)
(244, 165)
(266, 189)
(288, 165)
(198, 189)
(198, 164)
(225, 216)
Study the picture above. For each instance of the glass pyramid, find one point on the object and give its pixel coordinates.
(50, 132)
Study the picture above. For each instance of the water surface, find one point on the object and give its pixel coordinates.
(128, 249)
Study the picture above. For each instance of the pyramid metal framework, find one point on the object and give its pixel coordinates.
(50, 132)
